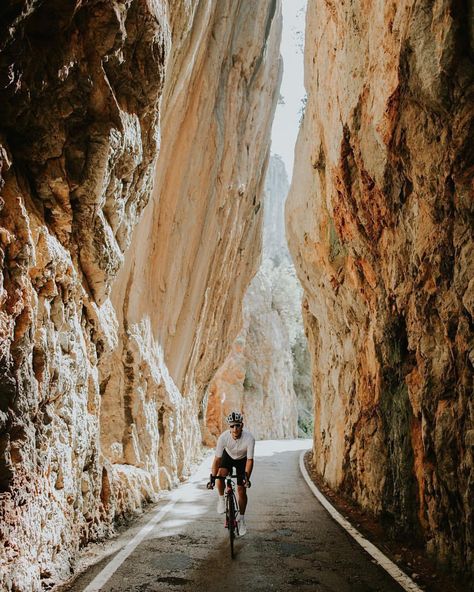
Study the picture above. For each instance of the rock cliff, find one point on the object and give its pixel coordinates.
(275, 246)
(121, 275)
(257, 375)
(266, 374)
(380, 225)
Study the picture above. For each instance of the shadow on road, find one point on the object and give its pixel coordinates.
(292, 543)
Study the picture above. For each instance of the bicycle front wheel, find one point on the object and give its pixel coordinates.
(231, 522)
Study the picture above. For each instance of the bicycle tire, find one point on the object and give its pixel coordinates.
(236, 517)
(231, 523)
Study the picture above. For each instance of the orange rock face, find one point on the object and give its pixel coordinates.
(379, 221)
(134, 140)
(257, 375)
(266, 373)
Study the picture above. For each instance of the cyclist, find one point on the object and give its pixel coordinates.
(235, 448)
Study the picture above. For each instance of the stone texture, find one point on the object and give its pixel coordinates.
(267, 360)
(275, 246)
(380, 225)
(181, 292)
(115, 313)
(257, 376)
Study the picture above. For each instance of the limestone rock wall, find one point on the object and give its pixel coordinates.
(203, 223)
(266, 374)
(257, 375)
(380, 225)
(275, 246)
(114, 313)
(286, 292)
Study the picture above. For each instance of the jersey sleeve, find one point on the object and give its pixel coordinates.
(220, 446)
(250, 448)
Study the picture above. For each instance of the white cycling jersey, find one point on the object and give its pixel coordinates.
(236, 449)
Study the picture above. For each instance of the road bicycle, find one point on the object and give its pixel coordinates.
(231, 509)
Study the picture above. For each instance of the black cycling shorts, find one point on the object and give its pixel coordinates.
(227, 462)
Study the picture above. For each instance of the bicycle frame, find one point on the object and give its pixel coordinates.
(231, 509)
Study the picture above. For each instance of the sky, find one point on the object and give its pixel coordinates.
(287, 116)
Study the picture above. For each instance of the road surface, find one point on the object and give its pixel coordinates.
(292, 543)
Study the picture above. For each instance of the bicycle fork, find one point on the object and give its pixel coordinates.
(229, 492)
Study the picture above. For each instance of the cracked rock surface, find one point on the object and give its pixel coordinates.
(380, 225)
(133, 145)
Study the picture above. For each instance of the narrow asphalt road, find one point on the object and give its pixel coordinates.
(291, 544)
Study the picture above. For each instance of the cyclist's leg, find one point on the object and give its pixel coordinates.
(241, 490)
(225, 467)
(242, 495)
(222, 472)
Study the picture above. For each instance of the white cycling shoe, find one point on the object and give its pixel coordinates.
(242, 526)
(221, 505)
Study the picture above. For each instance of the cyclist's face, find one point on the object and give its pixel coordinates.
(236, 430)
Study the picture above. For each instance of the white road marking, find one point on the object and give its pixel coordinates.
(397, 574)
(108, 571)
(263, 449)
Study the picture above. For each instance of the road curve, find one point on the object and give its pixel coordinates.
(292, 542)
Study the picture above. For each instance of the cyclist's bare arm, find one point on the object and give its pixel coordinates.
(249, 466)
(216, 463)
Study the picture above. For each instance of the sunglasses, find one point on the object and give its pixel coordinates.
(236, 425)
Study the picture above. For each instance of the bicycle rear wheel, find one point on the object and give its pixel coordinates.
(231, 522)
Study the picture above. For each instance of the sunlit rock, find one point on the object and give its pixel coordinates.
(257, 376)
(379, 222)
(121, 275)
(266, 374)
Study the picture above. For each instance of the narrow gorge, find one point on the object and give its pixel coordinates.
(146, 287)
(267, 371)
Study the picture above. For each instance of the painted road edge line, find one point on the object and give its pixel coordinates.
(397, 574)
(116, 562)
(103, 576)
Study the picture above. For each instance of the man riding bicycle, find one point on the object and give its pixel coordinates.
(235, 448)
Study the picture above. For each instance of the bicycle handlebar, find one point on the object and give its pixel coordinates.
(212, 479)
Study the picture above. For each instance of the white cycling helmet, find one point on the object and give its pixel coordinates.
(234, 417)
